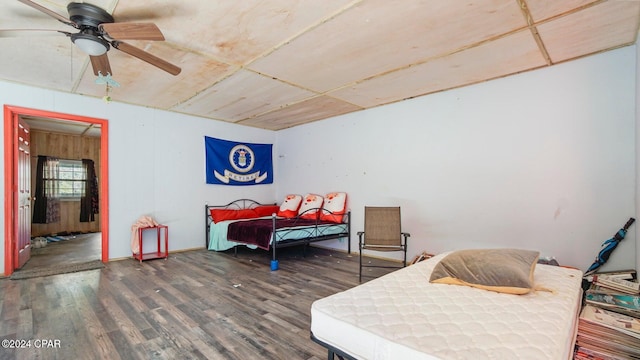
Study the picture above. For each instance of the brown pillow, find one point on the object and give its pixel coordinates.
(502, 270)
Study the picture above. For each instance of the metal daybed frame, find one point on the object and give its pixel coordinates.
(277, 237)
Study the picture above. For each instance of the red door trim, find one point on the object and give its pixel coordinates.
(10, 177)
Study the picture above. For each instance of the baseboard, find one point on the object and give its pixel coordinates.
(170, 252)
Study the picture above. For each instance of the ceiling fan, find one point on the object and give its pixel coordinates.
(98, 32)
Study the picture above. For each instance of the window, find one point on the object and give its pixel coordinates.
(67, 183)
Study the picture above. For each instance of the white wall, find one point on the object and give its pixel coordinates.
(156, 165)
(542, 160)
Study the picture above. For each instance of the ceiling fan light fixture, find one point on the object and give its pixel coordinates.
(90, 44)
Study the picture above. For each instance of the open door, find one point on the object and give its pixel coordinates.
(23, 196)
(17, 180)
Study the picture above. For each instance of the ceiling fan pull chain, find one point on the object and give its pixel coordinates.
(107, 98)
(71, 64)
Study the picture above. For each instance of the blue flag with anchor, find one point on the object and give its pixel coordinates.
(234, 163)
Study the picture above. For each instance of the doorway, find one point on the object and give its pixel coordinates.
(12, 114)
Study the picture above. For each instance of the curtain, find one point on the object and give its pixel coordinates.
(46, 207)
(89, 205)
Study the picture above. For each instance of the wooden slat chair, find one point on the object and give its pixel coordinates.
(382, 232)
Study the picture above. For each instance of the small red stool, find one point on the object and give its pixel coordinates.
(160, 251)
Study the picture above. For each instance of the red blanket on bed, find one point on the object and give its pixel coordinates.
(258, 231)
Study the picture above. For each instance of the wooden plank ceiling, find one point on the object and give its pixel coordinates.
(280, 63)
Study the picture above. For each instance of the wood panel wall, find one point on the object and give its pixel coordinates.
(64, 146)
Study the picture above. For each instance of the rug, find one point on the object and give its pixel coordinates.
(58, 269)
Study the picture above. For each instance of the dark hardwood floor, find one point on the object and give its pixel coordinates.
(195, 305)
(80, 248)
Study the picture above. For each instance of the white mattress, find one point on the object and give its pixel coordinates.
(403, 316)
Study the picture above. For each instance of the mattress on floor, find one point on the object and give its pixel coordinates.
(403, 316)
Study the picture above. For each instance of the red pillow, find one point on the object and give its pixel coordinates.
(311, 201)
(228, 214)
(290, 205)
(334, 207)
(267, 210)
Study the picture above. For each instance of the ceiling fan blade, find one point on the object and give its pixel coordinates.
(51, 13)
(101, 65)
(147, 57)
(132, 31)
